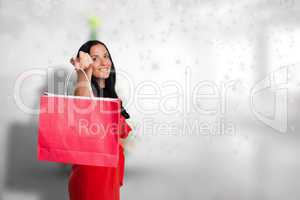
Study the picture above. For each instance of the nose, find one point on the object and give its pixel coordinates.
(104, 63)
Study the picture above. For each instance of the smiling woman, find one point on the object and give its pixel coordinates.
(97, 182)
(102, 63)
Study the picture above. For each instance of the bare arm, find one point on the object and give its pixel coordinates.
(82, 87)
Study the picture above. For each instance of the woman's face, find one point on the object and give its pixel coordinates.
(102, 62)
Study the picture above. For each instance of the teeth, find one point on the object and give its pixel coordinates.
(103, 69)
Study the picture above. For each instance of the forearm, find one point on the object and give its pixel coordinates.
(82, 87)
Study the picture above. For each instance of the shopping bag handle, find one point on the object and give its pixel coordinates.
(68, 80)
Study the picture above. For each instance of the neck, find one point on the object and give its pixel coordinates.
(101, 82)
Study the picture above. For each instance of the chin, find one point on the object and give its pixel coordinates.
(101, 75)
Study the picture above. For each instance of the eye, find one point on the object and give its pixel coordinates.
(105, 56)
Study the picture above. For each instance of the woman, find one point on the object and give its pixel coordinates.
(95, 182)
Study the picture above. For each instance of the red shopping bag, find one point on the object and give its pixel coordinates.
(79, 130)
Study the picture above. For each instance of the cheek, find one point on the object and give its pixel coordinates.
(95, 66)
(95, 73)
(108, 63)
(99, 74)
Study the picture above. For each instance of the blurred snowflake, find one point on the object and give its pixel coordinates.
(155, 66)
(44, 7)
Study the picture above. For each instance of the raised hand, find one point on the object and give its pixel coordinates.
(84, 61)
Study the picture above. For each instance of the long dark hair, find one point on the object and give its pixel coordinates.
(110, 82)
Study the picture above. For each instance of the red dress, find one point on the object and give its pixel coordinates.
(98, 183)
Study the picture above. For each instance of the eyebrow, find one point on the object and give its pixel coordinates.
(98, 55)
